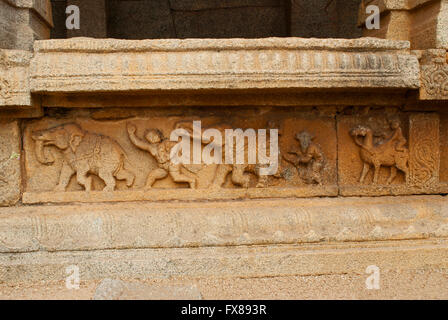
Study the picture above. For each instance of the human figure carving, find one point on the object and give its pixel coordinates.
(160, 149)
(84, 153)
(397, 136)
(391, 153)
(309, 154)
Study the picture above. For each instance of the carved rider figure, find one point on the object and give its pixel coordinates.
(397, 136)
(160, 149)
(309, 154)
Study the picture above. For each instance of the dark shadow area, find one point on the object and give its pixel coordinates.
(162, 19)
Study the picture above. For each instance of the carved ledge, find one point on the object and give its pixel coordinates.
(86, 65)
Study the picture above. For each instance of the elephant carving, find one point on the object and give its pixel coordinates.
(84, 153)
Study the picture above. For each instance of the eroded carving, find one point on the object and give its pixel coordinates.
(5, 89)
(390, 152)
(89, 154)
(240, 173)
(84, 153)
(160, 148)
(308, 158)
(424, 146)
(435, 78)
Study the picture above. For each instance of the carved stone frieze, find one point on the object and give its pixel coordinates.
(14, 78)
(389, 154)
(229, 223)
(82, 159)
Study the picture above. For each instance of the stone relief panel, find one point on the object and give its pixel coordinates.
(10, 175)
(82, 159)
(434, 75)
(387, 154)
(424, 141)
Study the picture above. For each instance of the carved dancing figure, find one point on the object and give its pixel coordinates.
(309, 154)
(160, 149)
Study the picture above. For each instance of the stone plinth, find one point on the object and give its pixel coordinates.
(223, 239)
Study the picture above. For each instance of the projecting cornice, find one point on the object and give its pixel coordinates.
(87, 65)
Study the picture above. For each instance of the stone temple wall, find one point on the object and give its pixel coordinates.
(357, 130)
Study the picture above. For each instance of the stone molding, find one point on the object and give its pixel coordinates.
(88, 65)
(220, 262)
(171, 225)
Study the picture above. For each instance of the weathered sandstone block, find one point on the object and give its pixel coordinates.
(14, 79)
(24, 21)
(381, 154)
(423, 22)
(10, 177)
(114, 159)
(223, 239)
(102, 227)
(434, 74)
(63, 66)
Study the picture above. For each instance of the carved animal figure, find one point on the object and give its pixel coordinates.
(380, 154)
(84, 153)
(240, 172)
(309, 154)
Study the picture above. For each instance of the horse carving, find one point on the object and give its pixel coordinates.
(390, 153)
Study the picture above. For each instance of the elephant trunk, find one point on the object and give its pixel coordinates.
(40, 154)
